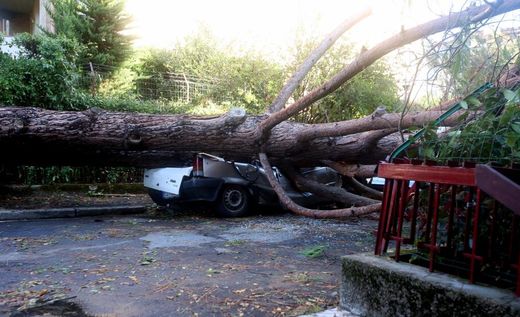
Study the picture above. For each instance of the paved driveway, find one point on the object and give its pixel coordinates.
(182, 266)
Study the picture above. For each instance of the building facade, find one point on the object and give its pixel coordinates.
(20, 16)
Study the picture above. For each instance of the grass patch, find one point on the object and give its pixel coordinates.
(234, 243)
(314, 251)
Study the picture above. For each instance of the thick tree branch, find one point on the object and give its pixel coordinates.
(332, 193)
(291, 205)
(372, 122)
(313, 57)
(370, 192)
(365, 59)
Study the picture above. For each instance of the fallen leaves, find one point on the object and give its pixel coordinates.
(104, 280)
(239, 291)
(25, 243)
(134, 279)
(84, 237)
(314, 251)
(263, 280)
(147, 261)
(32, 294)
(163, 287)
(117, 233)
(148, 258)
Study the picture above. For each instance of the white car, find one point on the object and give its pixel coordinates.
(233, 188)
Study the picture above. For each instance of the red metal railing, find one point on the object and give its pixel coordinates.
(442, 212)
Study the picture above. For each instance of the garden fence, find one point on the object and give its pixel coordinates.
(174, 87)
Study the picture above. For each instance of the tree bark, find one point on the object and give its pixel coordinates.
(332, 193)
(362, 188)
(352, 170)
(94, 137)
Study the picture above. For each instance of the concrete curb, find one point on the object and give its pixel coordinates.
(25, 214)
(376, 286)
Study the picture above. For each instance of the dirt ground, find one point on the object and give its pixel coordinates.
(182, 264)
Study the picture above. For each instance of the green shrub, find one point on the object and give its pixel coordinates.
(35, 175)
(314, 251)
(42, 74)
(493, 136)
(246, 80)
(98, 24)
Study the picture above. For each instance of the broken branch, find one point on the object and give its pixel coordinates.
(315, 213)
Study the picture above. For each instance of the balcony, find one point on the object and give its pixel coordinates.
(19, 16)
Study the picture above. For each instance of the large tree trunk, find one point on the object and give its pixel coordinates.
(94, 137)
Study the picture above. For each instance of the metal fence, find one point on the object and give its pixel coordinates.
(174, 87)
(445, 221)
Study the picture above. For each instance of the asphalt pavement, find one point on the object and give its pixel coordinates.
(185, 265)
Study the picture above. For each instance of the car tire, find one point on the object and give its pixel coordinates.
(234, 201)
(158, 198)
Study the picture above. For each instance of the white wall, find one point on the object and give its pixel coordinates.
(6, 48)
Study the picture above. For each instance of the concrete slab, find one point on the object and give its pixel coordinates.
(377, 286)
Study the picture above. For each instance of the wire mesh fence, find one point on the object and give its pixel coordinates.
(169, 87)
(175, 87)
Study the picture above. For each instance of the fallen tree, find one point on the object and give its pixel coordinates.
(96, 137)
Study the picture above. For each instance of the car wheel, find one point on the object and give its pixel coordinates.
(158, 197)
(234, 201)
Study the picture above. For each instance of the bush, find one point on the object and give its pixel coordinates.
(98, 24)
(42, 74)
(246, 80)
(489, 131)
(36, 175)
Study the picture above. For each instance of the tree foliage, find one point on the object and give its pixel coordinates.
(493, 136)
(247, 80)
(250, 80)
(97, 24)
(374, 87)
(464, 60)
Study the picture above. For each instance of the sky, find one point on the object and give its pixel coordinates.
(270, 25)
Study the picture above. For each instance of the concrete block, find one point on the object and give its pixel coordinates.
(378, 286)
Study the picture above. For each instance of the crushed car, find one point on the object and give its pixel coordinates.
(232, 188)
